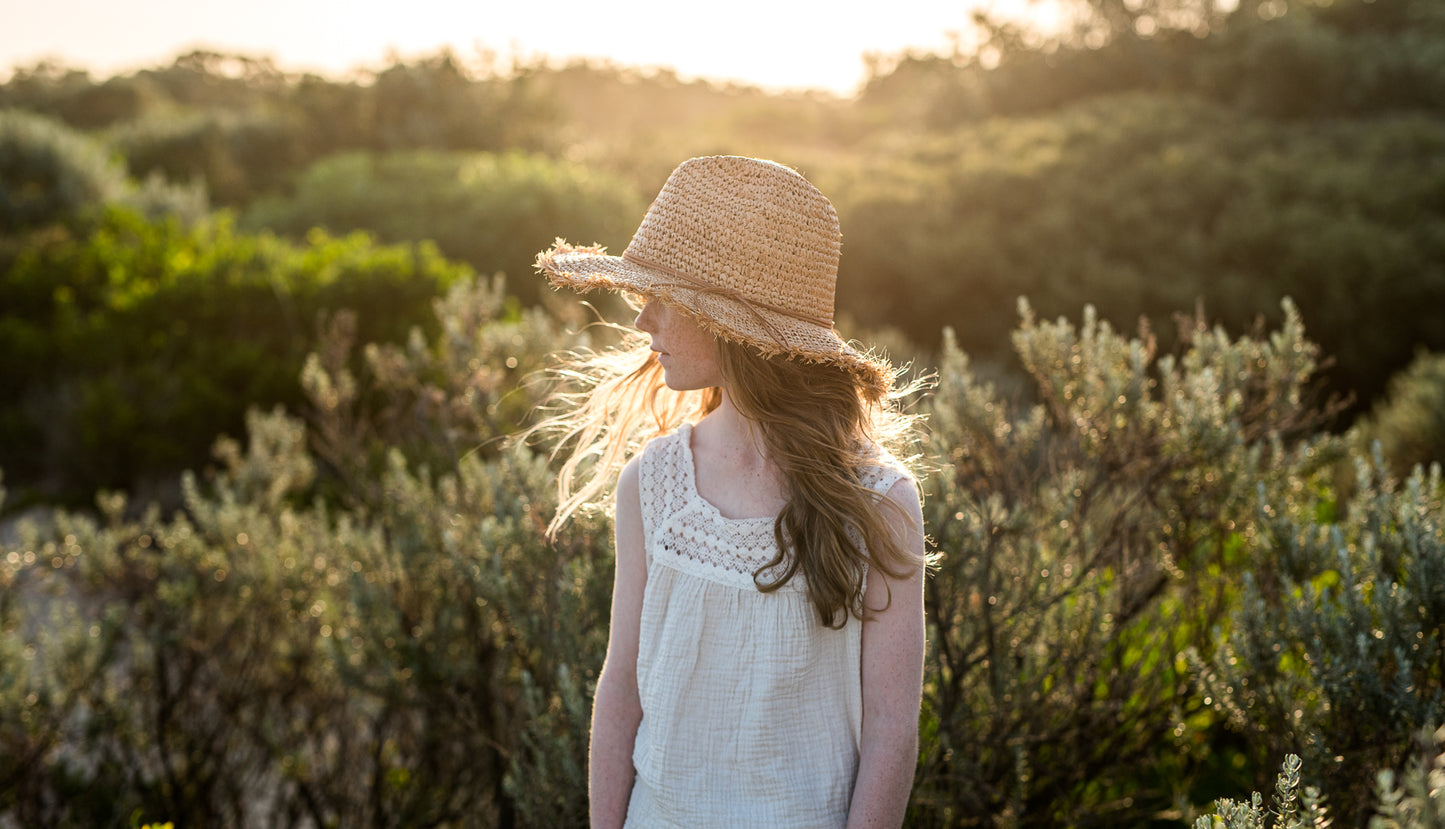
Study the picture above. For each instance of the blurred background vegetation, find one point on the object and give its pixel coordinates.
(1171, 558)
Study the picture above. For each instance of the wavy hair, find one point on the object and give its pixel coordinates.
(820, 426)
(819, 423)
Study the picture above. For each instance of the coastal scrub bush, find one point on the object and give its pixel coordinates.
(1409, 422)
(1290, 808)
(51, 173)
(1145, 205)
(1088, 540)
(1336, 649)
(128, 348)
(406, 651)
(355, 617)
(1413, 799)
(235, 154)
(493, 211)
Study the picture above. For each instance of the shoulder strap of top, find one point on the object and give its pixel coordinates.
(662, 480)
(881, 471)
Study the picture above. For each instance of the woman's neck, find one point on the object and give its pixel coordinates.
(733, 470)
(729, 424)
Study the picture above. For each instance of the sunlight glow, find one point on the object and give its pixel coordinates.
(771, 43)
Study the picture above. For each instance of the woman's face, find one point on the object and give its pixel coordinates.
(687, 351)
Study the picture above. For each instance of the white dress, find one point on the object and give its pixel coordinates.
(751, 708)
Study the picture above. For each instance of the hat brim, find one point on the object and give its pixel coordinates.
(771, 333)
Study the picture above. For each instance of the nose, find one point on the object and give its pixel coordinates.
(647, 317)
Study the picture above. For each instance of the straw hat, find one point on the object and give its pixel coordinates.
(747, 247)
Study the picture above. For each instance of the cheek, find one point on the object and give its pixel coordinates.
(699, 342)
(682, 333)
(696, 349)
(704, 344)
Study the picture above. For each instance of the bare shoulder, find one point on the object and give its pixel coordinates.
(631, 472)
(629, 486)
(894, 595)
(905, 494)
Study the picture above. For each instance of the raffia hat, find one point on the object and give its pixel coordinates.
(749, 248)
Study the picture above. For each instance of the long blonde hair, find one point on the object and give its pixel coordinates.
(820, 424)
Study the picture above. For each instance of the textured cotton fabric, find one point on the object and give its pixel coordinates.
(751, 708)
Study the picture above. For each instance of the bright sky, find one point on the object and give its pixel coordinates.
(771, 43)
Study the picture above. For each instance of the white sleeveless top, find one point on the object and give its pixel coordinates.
(751, 708)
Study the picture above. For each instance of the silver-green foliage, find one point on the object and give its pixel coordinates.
(491, 210)
(51, 173)
(356, 620)
(405, 649)
(1088, 539)
(1414, 799)
(1337, 646)
(1409, 423)
(1290, 809)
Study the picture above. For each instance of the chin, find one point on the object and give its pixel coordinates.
(684, 383)
(678, 386)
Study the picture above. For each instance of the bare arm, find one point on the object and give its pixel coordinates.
(616, 709)
(892, 678)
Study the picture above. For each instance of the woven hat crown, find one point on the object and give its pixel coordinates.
(748, 226)
(746, 247)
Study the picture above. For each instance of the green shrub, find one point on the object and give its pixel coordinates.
(243, 127)
(50, 173)
(1336, 650)
(1293, 59)
(263, 658)
(127, 350)
(236, 154)
(41, 86)
(53, 175)
(1414, 798)
(256, 661)
(1329, 60)
(358, 615)
(1145, 205)
(494, 212)
(1417, 802)
(1290, 809)
(1089, 539)
(1409, 423)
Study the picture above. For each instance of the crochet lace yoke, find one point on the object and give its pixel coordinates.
(686, 532)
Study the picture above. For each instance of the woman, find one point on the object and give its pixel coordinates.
(764, 661)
